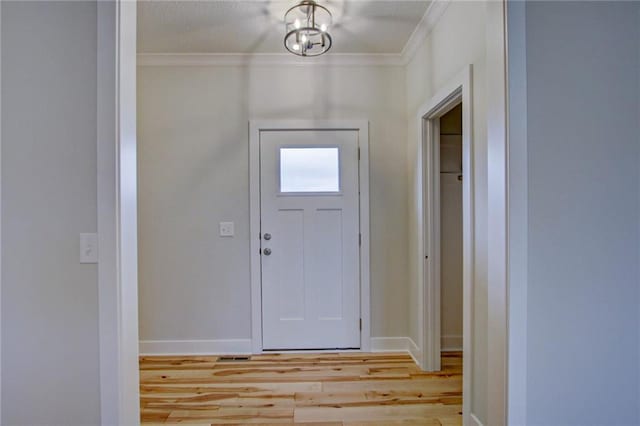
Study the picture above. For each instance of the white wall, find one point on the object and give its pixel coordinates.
(193, 174)
(50, 361)
(457, 41)
(583, 149)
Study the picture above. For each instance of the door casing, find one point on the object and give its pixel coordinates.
(257, 126)
(457, 91)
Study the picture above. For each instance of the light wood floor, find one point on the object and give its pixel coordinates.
(321, 389)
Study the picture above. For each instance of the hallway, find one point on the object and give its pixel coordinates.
(321, 389)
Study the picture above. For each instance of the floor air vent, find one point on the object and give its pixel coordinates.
(234, 358)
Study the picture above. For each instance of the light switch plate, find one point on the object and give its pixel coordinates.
(88, 248)
(227, 229)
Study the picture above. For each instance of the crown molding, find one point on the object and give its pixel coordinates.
(427, 24)
(422, 30)
(265, 59)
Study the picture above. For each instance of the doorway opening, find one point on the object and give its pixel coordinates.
(451, 176)
(446, 231)
(118, 309)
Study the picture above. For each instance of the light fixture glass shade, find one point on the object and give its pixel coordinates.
(307, 26)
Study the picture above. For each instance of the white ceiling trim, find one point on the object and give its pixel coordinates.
(423, 29)
(264, 59)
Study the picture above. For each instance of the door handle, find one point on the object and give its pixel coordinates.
(267, 252)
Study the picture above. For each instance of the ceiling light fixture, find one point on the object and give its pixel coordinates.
(307, 24)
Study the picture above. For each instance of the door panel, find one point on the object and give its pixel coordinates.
(326, 277)
(310, 261)
(289, 266)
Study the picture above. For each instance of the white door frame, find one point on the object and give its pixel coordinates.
(255, 127)
(499, 218)
(0, 214)
(456, 91)
(117, 213)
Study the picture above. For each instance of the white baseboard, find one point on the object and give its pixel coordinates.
(396, 344)
(414, 351)
(195, 347)
(243, 346)
(473, 420)
(451, 343)
(389, 344)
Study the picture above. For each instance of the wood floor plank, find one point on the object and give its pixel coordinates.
(150, 415)
(374, 413)
(243, 415)
(433, 385)
(249, 388)
(421, 422)
(328, 389)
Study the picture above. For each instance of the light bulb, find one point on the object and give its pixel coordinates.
(323, 28)
(296, 47)
(297, 24)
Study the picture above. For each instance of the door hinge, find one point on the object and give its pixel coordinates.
(358, 153)
(360, 239)
(360, 324)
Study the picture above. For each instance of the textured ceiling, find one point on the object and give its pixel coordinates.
(256, 26)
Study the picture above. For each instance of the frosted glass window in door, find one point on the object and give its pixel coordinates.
(309, 170)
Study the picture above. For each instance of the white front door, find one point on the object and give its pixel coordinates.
(310, 239)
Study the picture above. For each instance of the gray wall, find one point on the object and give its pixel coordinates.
(583, 152)
(49, 301)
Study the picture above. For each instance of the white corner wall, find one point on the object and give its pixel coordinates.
(457, 40)
(581, 115)
(50, 362)
(193, 174)
(518, 213)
